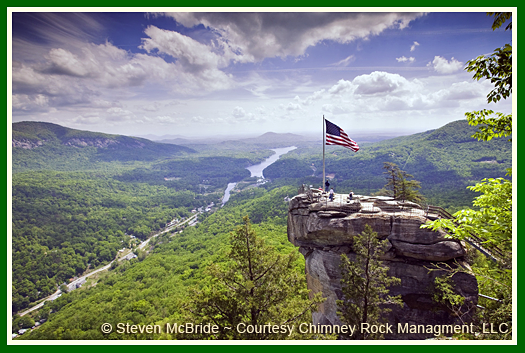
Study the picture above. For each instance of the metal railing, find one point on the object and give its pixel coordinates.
(493, 253)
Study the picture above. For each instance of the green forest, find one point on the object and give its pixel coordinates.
(445, 161)
(154, 290)
(69, 218)
(83, 200)
(65, 223)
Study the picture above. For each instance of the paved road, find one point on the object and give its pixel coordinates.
(145, 242)
(73, 285)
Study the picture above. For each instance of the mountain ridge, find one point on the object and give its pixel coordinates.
(54, 144)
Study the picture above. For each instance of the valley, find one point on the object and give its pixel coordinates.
(80, 197)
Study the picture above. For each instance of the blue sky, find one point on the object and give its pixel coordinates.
(238, 73)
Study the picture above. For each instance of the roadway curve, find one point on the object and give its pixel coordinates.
(73, 285)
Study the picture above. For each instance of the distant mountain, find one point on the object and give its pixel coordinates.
(35, 144)
(269, 139)
(266, 141)
(445, 160)
(188, 142)
(276, 138)
(160, 138)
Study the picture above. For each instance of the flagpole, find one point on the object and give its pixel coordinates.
(324, 173)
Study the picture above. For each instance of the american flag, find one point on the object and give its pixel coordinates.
(336, 136)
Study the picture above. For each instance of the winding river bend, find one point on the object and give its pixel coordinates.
(257, 169)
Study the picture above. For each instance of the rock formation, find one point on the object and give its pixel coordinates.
(323, 230)
(26, 144)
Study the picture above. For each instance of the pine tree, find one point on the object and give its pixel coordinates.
(399, 186)
(408, 188)
(392, 185)
(257, 287)
(364, 284)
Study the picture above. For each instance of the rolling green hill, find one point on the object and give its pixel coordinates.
(445, 161)
(79, 196)
(155, 288)
(39, 145)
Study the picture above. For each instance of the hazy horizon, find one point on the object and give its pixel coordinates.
(239, 135)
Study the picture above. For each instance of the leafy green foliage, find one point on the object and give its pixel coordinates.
(365, 283)
(500, 18)
(154, 290)
(496, 283)
(64, 223)
(492, 222)
(497, 68)
(258, 286)
(490, 127)
(262, 205)
(23, 322)
(445, 295)
(493, 314)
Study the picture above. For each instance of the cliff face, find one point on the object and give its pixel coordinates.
(324, 230)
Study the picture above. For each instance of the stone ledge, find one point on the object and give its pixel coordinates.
(324, 232)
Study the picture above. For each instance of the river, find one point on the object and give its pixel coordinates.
(257, 169)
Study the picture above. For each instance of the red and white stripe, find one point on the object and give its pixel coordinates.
(342, 140)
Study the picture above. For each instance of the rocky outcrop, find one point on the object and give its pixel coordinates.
(100, 142)
(323, 230)
(94, 142)
(26, 144)
(81, 142)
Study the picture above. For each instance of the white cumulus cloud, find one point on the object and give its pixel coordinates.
(379, 82)
(239, 112)
(405, 59)
(443, 66)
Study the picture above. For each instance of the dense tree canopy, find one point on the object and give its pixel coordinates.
(258, 286)
(156, 289)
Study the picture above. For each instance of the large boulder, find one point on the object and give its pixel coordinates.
(324, 230)
(318, 224)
